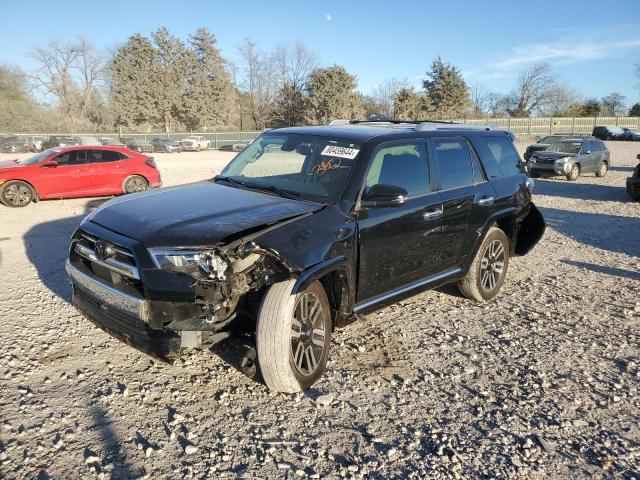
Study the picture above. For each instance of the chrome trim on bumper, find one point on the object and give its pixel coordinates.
(108, 295)
(110, 263)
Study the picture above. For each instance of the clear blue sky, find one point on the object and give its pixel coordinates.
(591, 45)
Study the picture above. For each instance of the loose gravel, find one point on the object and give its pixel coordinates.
(543, 382)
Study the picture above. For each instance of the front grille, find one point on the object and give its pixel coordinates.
(107, 255)
(545, 161)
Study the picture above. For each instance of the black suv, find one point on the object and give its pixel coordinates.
(303, 230)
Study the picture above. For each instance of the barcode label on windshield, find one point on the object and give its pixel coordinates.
(340, 152)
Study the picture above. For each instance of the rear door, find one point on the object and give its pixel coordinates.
(466, 196)
(399, 244)
(108, 169)
(70, 176)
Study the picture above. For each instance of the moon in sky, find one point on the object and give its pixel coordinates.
(327, 17)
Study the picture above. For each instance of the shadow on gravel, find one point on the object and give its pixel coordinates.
(622, 169)
(112, 445)
(614, 233)
(581, 191)
(47, 247)
(616, 272)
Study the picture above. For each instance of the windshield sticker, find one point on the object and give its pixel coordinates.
(322, 167)
(340, 152)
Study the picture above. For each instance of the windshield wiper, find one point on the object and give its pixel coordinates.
(269, 188)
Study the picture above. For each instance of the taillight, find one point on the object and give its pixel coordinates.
(151, 162)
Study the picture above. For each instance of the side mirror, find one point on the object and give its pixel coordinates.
(587, 152)
(50, 164)
(383, 195)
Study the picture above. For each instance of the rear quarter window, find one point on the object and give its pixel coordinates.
(499, 156)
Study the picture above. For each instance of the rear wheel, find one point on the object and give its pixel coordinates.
(293, 336)
(602, 169)
(574, 173)
(16, 194)
(488, 269)
(134, 184)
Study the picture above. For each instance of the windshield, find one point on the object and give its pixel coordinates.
(564, 147)
(311, 167)
(549, 139)
(38, 157)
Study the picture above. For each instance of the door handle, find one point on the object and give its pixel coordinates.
(432, 214)
(486, 201)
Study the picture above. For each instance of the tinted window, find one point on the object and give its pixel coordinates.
(402, 166)
(102, 156)
(504, 155)
(454, 163)
(74, 157)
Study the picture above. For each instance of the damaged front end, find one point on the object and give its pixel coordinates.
(160, 300)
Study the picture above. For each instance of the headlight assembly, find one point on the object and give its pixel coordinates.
(563, 160)
(200, 264)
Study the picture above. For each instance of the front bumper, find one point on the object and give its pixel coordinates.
(191, 148)
(549, 169)
(124, 317)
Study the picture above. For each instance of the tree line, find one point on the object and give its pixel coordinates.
(161, 81)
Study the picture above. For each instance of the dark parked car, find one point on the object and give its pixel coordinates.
(13, 144)
(571, 157)
(139, 145)
(165, 145)
(60, 141)
(544, 142)
(633, 182)
(304, 229)
(614, 133)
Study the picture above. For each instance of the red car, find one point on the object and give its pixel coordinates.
(80, 171)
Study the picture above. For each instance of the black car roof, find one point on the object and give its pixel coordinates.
(364, 131)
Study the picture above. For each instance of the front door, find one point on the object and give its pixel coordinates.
(70, 176)
(399, 244)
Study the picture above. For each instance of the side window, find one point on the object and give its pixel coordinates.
(403, 166)
(103, 156)
(454, 163)
(504, 155)
(73, 157)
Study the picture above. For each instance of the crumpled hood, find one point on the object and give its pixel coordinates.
(200, 214)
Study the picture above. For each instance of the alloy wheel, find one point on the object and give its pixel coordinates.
(307, 334)
(18, 195)
(492, 265)
(136, 184)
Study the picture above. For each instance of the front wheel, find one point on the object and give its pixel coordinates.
(293, 336)
(574, 173)
(602, 169)
(488, 269)
(16, 194)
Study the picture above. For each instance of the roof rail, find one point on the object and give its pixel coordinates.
(338, 122)
(430, 126)
(418, 125)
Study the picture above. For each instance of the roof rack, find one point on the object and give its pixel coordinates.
(417, 125)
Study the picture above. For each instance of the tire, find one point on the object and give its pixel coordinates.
(134, 184)
(475, 285)
(602, 169)
(573, 175)
(198, 148)
(278, 333)
(16, 194)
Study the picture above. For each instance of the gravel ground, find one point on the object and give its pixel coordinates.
(543, 382)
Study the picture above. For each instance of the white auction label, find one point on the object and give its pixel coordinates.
(340, 152)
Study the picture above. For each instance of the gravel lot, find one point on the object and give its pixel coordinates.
(542, 382)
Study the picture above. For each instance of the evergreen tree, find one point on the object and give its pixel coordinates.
(409, 105)
(446, 91)
(331, 94)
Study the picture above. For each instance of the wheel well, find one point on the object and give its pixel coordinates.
(336, 287)
(36, 196)
(508, 226)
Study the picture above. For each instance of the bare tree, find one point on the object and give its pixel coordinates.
(561, 100)
(294, 62)
(614, 104)
(258, 80)
(71, 73)
(384, 95)
(483, 99)
(531, 92)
